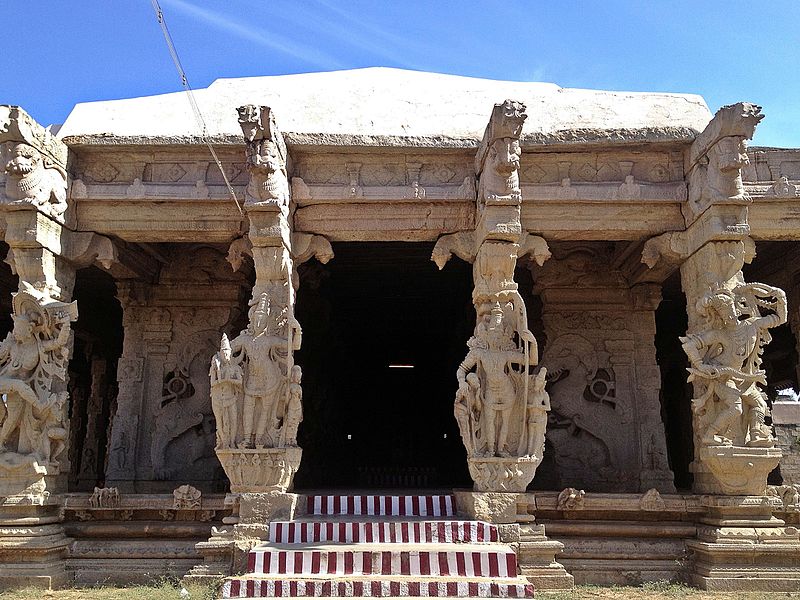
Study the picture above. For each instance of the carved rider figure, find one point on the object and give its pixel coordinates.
(227, 381)
(726, 356)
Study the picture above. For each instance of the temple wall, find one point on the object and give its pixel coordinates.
(605, 429)
(163, 429)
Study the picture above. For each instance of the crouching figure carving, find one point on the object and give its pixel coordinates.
(33, 370)
(725, 365)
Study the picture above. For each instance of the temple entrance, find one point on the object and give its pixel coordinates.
(384, 332)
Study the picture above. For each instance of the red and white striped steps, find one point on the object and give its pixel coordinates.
(438, 560)
(384, 506)
(382, 532)
(248, 587)
(380, 546)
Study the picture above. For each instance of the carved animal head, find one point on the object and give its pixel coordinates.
(571, 354)
(504, 156)
(25, 159)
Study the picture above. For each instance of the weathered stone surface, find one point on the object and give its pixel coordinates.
(494, 507)
(404, 108)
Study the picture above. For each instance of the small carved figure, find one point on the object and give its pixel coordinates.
(227, 380)
(570, 499)
(726, 358)
(537, 409)
(294, 409)
(186, 497)
(31, 356)
(29, 179)
(105, 498)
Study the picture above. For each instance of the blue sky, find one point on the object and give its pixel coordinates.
(60, 52)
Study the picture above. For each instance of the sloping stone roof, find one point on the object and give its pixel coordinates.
(390, 107)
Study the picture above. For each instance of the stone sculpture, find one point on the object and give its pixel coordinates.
(226, 385)
(32, 357)
(725, 358)
(29, 179)
(266, 158)
(714, 164)
(500, 405)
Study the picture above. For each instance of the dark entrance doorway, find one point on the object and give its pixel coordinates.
(383, 334)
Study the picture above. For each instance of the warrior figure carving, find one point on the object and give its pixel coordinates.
(31, 356)
(726, 358)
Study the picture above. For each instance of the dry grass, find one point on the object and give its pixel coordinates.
(171, 591)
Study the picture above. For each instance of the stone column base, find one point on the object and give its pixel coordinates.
(225, 552)
(536, 554)
(537, 559)
(741, 546)
(33, 546)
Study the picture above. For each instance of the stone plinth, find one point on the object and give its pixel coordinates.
(32, 542)
(735, 470)
(260, 469)
(740, 545)
(535, 552)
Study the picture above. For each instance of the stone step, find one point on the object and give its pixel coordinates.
(404, 532)
(425, 560)
(375, 505)
(248, 586)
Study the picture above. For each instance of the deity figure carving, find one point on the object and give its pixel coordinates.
(262, 352)
(725, 358)
(32, 356)
(294, 409)
(266, 158)
(30, 179)
(718, 155)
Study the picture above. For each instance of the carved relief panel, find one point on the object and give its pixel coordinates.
(605, 426)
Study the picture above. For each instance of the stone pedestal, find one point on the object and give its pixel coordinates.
(32, 542)
(260, 470)
(741, 546)
(734, 470)
(535, 552)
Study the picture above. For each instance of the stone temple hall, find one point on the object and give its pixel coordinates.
(386, 333)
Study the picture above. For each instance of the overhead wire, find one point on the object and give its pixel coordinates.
(201, 122)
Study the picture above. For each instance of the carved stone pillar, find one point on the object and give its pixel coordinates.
(501, 406)
(728, 326)
(34, 356)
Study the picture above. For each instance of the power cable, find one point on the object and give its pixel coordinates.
(201, 122)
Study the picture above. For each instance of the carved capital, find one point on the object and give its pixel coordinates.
(33, 164)
(715, 161)
(267, 157)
